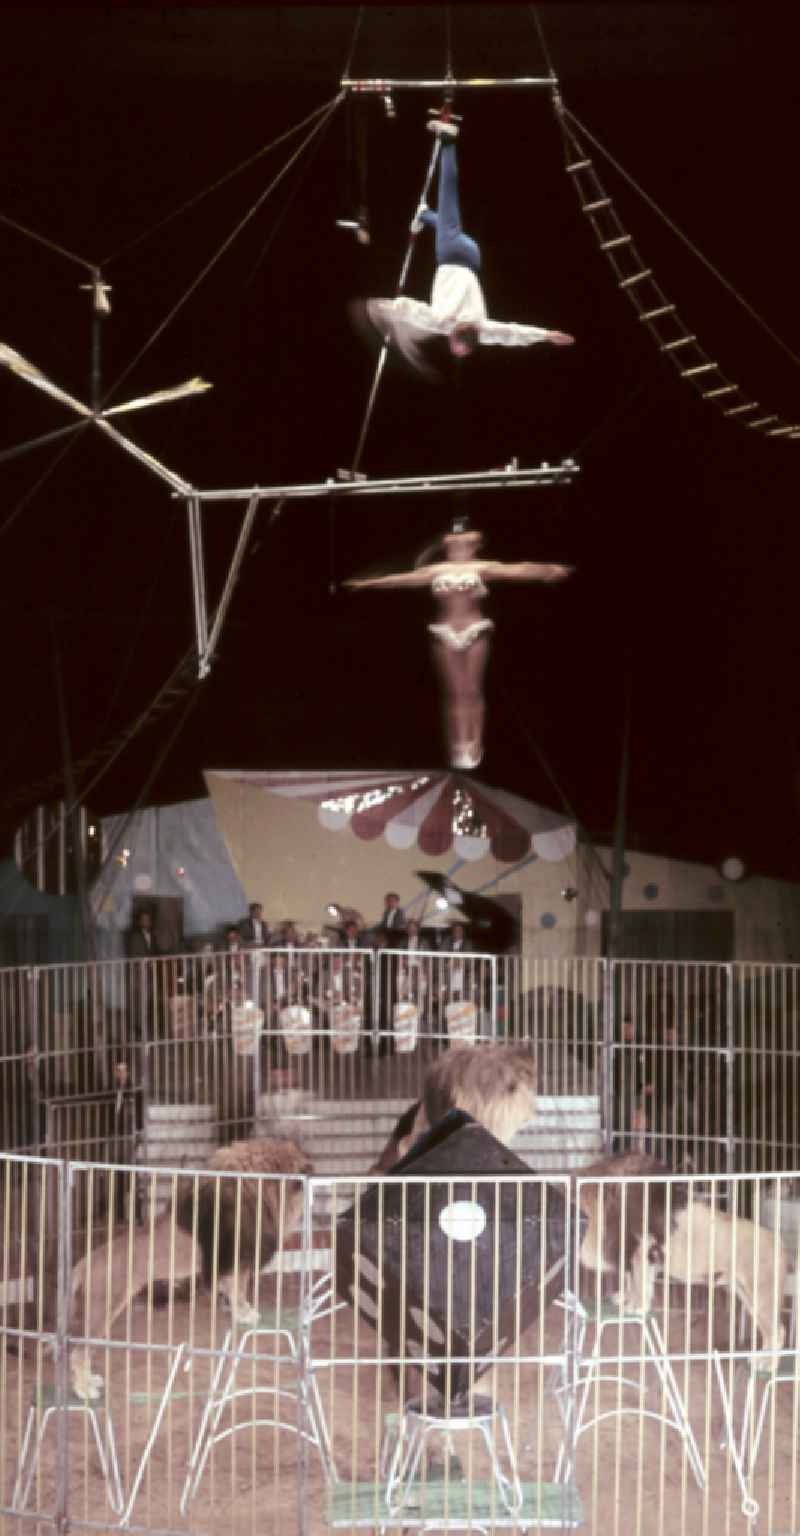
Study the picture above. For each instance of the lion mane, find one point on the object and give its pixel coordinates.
(494, 1083)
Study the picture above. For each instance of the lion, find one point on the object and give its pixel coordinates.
(492, 1082)
(640, 1229)
(223, 1228)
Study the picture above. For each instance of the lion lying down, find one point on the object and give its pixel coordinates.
(198, 1235)
(638, 1230)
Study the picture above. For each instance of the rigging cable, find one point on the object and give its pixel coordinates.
(327, 112)
(534, 10)
(321, 112)
(639, 283)
(168, 693)
(138, 804)
(213, 186)
(27, 496)
(7, 454)
(381, 363)
(690, 246)
(50, 245)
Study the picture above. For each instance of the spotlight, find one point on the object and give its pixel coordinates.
(568, 893)
(733, 868)
(441, 903)
(342, 914)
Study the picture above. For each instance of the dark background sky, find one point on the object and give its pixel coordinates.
(683, 527)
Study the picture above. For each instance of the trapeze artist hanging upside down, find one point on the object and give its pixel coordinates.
(457, 308)
(461, 637)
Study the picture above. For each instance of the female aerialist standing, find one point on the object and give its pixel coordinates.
(457, 308)
(460, 639)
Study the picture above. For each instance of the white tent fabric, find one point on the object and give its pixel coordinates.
(173, 850)
(433, 810)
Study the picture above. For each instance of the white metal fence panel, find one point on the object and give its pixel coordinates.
(440, 1348)
(698, 1064)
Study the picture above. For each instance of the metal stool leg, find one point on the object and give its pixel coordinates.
(109, 1464)
(19, 1497)
(658, 1352)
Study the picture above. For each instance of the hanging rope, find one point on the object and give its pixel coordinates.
(654, 309)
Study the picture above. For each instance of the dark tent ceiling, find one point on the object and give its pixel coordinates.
(682, 527)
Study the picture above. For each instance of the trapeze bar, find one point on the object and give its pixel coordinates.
(477, 83)
(488, 479)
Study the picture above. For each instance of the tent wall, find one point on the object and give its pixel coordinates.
(172, 851)
(286, 859)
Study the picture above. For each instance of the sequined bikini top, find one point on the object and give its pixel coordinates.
(466, 581)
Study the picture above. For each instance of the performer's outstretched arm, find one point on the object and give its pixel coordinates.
(420, 578)
(507, 333)
(523, 570)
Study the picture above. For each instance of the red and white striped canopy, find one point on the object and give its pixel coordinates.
(432, 810)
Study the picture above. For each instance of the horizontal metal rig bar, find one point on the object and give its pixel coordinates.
(477, 83)
(487, 479)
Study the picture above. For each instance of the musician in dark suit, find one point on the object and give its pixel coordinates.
(456, 942)
(393, 920)
(253, 931)
(141, 939)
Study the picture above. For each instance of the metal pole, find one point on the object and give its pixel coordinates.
(233, 575)
(475, 480)
(381, 364)
(607, 1051)
(71, 818)
(198, 578)
(66, 1175)
(182, 487)
(729, 1060)
(472, 83)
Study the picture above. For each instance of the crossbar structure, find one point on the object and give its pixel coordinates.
(473, 83)
(350, 484)
(478, 480)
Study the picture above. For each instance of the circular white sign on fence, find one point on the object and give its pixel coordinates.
(463, 1221)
